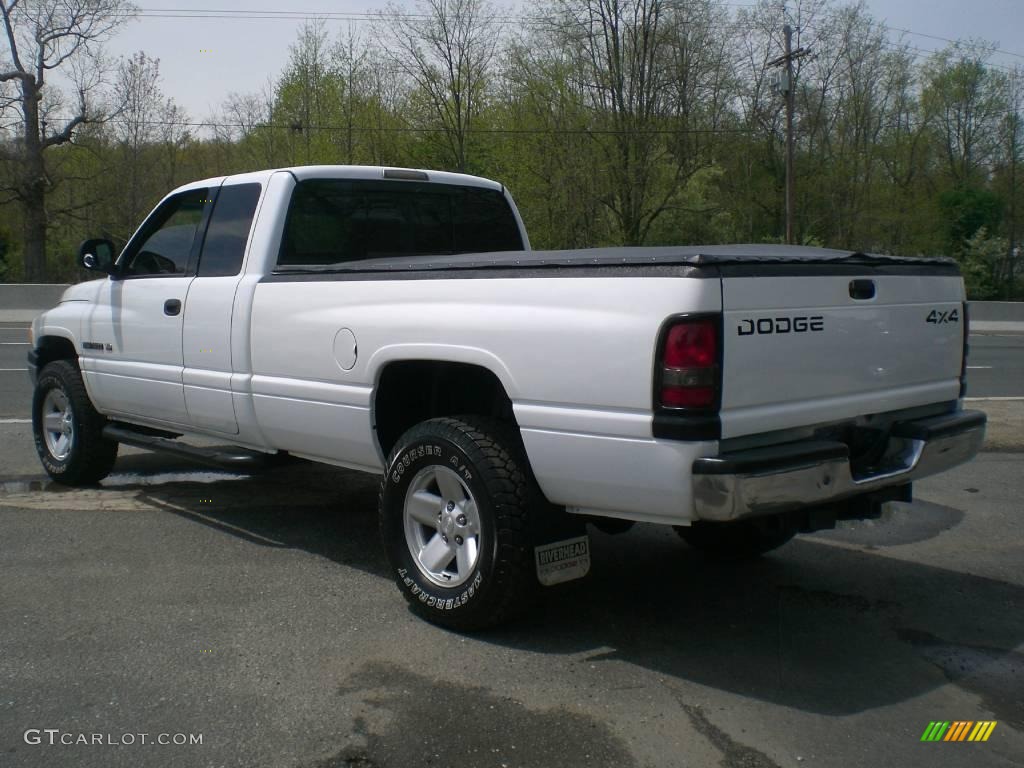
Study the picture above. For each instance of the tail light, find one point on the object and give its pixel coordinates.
(689, 359)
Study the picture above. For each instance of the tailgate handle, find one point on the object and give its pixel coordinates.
(862, 289)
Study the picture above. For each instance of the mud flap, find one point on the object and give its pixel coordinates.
(561, 548)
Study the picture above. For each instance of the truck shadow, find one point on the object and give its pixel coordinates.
(821, 625)
(813, 626)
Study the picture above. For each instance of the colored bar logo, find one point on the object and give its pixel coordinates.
(958, 730)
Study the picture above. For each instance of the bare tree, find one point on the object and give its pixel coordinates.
(307, 96)
(246, 124)
(9, 122)
(351, 57)
(552, 156)
(446, 50)
(146, 120)
(1009, 162)
(44, 36)
(654, 74)
(965, 98)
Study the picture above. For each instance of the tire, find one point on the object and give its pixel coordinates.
(740, 540)
(68, 431)
(469, 566)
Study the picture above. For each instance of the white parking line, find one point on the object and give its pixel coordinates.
(975, 399)
(15, 421)
(979, 367)
(13, 344)
(13, 369)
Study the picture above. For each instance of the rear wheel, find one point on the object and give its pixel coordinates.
(68, 431)
(455, 509)
(739, 540)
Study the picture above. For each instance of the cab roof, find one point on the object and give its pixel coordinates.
(367, 172)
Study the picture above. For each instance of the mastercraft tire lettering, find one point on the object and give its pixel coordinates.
(454, 512)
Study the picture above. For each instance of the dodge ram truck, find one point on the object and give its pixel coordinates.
(396, 321)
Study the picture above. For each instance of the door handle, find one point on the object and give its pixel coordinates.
(861, 290)
(172, 307)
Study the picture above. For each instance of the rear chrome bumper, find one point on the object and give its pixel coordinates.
(763, 481)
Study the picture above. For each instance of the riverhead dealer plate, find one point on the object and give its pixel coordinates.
(563, 560)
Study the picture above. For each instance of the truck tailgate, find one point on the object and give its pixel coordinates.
(817, 348)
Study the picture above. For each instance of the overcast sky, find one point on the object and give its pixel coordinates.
(244, 52)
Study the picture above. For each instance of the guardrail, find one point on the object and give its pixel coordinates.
(997, 311)
(20, 302)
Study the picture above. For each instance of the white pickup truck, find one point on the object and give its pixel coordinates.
(396, 321)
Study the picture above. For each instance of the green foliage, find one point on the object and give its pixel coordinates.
(978, 263)
(611, 123)
(5, 247)
(11, 265)
(968, 211)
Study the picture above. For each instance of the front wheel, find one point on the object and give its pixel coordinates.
(454, 511)
(68, 431)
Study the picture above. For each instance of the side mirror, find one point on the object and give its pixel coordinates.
(97, 256)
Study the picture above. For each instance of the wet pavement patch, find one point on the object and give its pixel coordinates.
(993, 674)
(346, 761)
(398, 717)
(132, 479)
(734, 754)
(820, 598)
(899, 524)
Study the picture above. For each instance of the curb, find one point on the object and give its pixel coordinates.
(1005, 430)
(991, 326)
(19, 315)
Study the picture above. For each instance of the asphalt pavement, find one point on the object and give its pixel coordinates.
(15, 390)
(995, 365)
(256, 614)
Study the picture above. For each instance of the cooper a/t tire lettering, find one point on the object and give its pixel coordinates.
(455, 508)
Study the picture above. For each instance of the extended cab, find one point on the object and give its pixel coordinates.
(397, 322)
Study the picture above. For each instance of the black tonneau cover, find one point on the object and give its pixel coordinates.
(675, 255)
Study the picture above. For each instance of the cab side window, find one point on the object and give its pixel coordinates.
(228, 230)
(165, 244)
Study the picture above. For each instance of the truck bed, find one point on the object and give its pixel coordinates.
(706, 257)
(573, 338)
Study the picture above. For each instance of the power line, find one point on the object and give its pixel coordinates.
(412, 129)
(917, 52)
(369, 16)
(351, 16)
(946, 39)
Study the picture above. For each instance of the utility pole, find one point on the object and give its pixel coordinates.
(786, 85)
(1013, 250)
(1013, 123)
